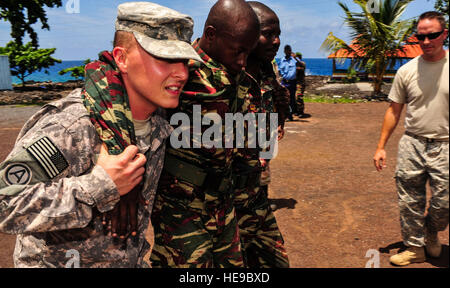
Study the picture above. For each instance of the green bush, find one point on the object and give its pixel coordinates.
(24, 60)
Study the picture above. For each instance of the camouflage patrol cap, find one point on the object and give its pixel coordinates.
(161, 31)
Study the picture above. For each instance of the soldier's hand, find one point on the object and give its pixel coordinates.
(123, 219)
(263, 162)
(379, 160)
(280, 132)
(126, 169)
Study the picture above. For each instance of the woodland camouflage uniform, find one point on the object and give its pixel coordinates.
(194, 217)
(262, 242)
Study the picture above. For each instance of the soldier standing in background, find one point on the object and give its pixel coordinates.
(54, 185)
(194, 217)
(262, 242)
(301, 80)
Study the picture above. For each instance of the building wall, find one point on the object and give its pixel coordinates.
(5, 74)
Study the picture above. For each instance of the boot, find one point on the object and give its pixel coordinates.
(411, 255)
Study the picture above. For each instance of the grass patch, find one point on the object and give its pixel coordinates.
(312, 98)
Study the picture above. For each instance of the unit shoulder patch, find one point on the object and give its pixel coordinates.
(48, 156)
(18, 174)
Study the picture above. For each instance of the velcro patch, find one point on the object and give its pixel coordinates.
(18, 174)
(49, 157)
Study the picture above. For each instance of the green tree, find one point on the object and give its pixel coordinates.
(25, 60)
(14, 12)
(77, 71)
(442, 6)
(377, 34)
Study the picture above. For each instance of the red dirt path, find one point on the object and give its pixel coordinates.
(333, 205)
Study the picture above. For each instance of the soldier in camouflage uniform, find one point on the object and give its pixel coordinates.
(423, 85)
(262, 242)
(194, 217)
(76, 157)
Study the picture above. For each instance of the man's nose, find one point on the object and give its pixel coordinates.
(242, 60)
(276, 41)
(180, 71)
(427, 40)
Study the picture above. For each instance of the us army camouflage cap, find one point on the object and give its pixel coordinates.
(161, 31)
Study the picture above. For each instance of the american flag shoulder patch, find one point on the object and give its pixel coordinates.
(48, 156)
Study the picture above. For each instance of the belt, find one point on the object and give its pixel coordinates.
(197, 176)
(428, 140)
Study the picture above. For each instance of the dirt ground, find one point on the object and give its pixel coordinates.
(333, 207)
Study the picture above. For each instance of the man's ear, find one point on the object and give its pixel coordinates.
(210, 33)
(120, 56)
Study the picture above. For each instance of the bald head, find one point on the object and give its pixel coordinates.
(232, 16)
(231, 32)
(262, 11)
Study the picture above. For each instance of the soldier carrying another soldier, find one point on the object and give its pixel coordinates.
(54, 185)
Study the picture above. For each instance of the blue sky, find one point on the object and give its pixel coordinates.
(304, 24)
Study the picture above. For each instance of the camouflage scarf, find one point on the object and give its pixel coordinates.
(106, 100)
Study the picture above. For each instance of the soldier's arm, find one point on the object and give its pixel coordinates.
(391, 119)
(49, 181)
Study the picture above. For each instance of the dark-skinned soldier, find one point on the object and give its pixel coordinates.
(262, 242)
(194, 218)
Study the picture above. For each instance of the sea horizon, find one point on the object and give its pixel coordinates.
(314, 66)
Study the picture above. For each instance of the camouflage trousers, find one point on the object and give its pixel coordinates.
(262, 242)
(194, 232)
(300, 100)
(419, 162)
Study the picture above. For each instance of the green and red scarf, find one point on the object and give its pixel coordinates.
(106, 100)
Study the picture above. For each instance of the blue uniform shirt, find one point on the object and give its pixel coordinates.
(288, 68)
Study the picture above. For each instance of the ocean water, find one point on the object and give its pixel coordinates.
(319, 66)
(324, 66)
(52, 73)
(314, 66)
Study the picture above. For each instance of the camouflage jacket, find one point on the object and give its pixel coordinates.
(275, 97)
(266, 96)
(212, 87)
(271, 97)
(52, 194)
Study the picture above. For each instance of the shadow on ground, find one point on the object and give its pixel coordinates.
(284, 203)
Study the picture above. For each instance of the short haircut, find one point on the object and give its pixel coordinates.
(287, 47)
(124, 39)
(434, 15)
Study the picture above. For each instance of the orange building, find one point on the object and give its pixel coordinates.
(411, 50)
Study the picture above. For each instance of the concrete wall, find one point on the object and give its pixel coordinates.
(5, 74)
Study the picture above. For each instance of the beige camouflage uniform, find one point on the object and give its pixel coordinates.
(52, 194)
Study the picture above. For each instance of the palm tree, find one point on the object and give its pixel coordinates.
(378, 34)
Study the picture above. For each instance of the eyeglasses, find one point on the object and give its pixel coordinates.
(430, 36)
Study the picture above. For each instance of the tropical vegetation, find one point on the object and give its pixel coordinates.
(378, 33)
(26, 59)
(75, 72)
(14, 11)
